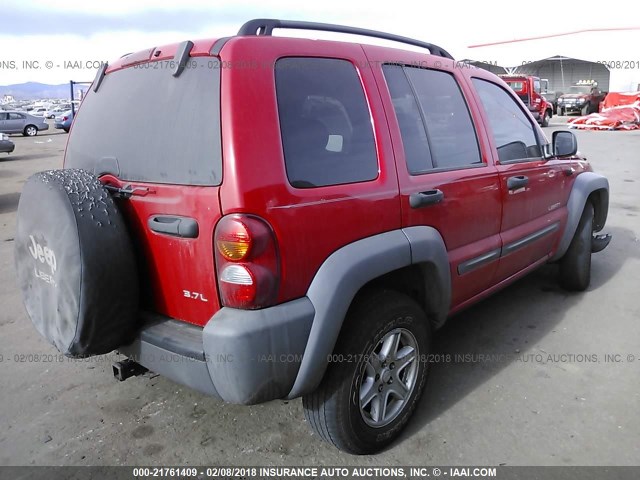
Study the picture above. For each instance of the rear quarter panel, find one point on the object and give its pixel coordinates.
(312, 223)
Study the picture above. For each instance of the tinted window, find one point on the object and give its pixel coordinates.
(16, 116)
(152, 126)
(325, 123)
(436, 127)
(414, 137)
(451, 133)
(4, 116)
(513, 132)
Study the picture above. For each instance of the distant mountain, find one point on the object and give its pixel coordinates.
(35, 91)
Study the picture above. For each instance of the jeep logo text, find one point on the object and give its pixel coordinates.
(42, 254)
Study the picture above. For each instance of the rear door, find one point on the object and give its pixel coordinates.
(158, 136)
(446, 181)
(532, 188)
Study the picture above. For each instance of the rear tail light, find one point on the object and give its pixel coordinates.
(247, 262)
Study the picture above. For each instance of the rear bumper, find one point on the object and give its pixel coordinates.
(241, 356)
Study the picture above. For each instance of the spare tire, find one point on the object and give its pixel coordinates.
(75, 263)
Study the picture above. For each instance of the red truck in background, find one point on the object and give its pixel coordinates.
(529, 91)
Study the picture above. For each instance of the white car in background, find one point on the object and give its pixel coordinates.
(38, 112)
(53, 112)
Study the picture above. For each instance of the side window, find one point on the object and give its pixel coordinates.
(435, 123)
(325, 123)
(15, 116)
(412, 130)
(4, 116)
(536, 86)
(513, 132)
(452, 136)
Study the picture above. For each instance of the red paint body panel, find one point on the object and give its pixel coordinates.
(469, 216)
(170, 265)
(526, 211)
(165, 53)
(310, 224)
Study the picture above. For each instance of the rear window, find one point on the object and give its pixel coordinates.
(325, 123)
(146, 125)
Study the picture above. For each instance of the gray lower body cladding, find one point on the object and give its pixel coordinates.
(240, 356)
(585, 185)
(253, 356)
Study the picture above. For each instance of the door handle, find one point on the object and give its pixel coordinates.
(519, 181)
(184, 227)
(423, 199)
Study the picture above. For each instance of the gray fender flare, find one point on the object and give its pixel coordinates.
(347, 270)
(585, 184)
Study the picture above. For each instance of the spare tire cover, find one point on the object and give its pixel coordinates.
(75, 263)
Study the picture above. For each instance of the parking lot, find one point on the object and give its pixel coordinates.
(530, 376)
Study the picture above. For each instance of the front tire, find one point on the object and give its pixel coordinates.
(575, 266)
(545, 118)
(586, 110)
(376, 376)
(30, 131)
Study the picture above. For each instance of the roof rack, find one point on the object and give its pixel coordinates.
(265, 26)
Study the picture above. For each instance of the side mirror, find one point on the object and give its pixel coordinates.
(564, 143)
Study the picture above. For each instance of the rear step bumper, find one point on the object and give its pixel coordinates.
(241, 356)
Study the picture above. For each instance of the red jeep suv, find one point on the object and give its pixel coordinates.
(277, 218)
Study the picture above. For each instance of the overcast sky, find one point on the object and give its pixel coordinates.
(81, 31)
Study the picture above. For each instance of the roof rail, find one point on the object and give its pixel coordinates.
(265, 26)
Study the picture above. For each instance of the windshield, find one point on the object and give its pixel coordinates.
(146, 125)
(517, 86)
(580, 89)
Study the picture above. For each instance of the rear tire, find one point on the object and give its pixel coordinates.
(378, 373)
(575, 266)
(30, 131)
